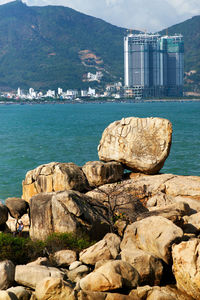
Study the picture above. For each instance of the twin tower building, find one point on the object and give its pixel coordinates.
(154, 65)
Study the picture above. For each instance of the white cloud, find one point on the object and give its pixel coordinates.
(152, 15)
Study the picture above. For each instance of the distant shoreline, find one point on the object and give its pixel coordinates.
(131, 101)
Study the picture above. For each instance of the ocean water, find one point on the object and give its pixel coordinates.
(31, 135)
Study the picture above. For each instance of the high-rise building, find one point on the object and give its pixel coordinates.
(153, 65)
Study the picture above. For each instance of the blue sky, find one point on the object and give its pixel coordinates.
(150, 15)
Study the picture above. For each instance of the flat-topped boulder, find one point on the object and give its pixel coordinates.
(53, 177)
(140, 144)
(99, 173)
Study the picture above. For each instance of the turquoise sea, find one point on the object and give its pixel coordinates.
(31, 135)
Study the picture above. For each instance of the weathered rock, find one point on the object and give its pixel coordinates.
(64, 257)
(99, 173)
(149, 267)
(173, 212)
(3, 214)
(75, 265)
(53, 177)
(154, 235)
(186, 265)
(30, 275)
(78, 273)
(40, 261)
(106, 249)
(5, 296)
(159, 293)
(88, 295)
(67, 211)
(161, 190)
(17, 207)
(192, 222)
(112, 275)
(141, 144)
(125, 200)
(7, 274)
(54, 289)
(20, 292)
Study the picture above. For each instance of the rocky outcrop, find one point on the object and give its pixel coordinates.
(110, 276)
(154, 235)
(17, 207)
(7, 274)
(67, 211)
(53, 177)
(154, 191)
(54, 289)
(30, 275)
(99, 173)
(186, 265)
(107, 248)
(140, 144)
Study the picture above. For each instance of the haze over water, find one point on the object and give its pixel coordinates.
(31, 135)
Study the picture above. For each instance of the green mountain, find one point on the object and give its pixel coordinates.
(55, 46)
(190, 29)
(47, 47)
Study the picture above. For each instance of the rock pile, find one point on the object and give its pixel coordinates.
(146, 226)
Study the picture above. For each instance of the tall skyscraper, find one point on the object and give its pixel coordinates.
(153, 65)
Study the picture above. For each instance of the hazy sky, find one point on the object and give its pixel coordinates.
(151, 15)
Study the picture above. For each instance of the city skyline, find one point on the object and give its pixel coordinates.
(151, 16)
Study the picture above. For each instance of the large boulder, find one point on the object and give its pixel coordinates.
(67, 211)
(154, 235)
(29, 276)
(53, 177)
(7, 274)
(99, 173)
(106, 249)
(112, 275)
(148, 266)
(3, 214)
(17, 207)
(54, 289)
(186, 265)
(140, 144)
(153, 190)
(64, 258)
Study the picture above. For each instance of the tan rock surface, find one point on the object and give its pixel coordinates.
(141, 144)
(186, 265)
(99, 173)
(7, 274)
(53, 177)
(30, 275)
(112, 275)
(154, 235)
(5, 296)
(54, 289)
(67, 211)
(149, 267)
(154, 190)
(64, 257)
(106, 249)
(17, 207)
(20, 292)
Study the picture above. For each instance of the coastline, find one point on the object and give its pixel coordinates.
(94, 101)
